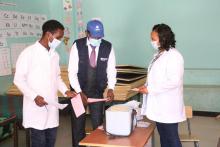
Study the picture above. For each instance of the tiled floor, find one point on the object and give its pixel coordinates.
(206, 128)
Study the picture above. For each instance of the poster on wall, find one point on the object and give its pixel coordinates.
(3, 43)
(18, 24)
(67, 5)
(80, 24)
(5, 62)
(16, 49)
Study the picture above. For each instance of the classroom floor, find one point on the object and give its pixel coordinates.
(206, 128)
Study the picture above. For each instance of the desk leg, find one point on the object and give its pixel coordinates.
(153, 140)
(28, 142)
(15, 134)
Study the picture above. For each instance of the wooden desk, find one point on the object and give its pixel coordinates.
(138, 138)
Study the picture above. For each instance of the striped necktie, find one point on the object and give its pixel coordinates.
(92, 58)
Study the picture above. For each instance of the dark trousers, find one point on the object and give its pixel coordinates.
(79, 124)
(43, 138)
(169, 136)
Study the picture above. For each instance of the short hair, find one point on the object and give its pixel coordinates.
(52, 26)
(166, 36)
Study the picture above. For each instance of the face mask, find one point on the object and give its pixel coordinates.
(55, 43)
(95, 42)
(155, 45)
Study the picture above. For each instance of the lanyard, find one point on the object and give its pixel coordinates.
(154, 59)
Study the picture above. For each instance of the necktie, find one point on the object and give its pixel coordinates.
(92, 58)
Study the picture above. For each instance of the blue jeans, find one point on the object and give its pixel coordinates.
(43, 138)
(169, 136)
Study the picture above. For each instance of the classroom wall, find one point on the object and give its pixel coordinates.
(22, 6)
(128, 25)
(195, 23)
(54, 10)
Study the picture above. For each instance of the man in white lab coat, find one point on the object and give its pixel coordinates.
(38, 78)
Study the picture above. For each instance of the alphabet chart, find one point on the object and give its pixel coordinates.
(18, 24)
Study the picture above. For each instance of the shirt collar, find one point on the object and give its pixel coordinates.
(52, 50)
(87, 41)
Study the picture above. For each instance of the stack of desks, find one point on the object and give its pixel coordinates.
(128, 77)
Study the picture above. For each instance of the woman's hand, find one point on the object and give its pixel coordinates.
(110, 95)
(143, 90)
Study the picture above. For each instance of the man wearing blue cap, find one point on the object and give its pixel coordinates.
(91, 69)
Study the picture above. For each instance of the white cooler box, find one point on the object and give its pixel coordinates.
(120, 120)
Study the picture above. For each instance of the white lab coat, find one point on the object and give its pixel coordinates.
(38, 73)
(164, 101)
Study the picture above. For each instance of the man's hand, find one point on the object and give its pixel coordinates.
(143, 90)
(70, 94)
(110, 95)
(84, 98)
(39, 100)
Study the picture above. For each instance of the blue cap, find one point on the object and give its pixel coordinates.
(95, 28)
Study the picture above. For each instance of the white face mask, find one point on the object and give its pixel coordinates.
(95, 42)
(55, 43)
(155, 45)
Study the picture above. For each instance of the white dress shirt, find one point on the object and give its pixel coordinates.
(73, 67)
(38, 73)
(164, 101)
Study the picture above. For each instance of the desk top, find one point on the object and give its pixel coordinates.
(138, 138)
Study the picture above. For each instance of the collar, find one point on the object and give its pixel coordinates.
(87, 41)
(52, 50)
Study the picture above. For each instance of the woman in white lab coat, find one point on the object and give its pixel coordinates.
(163, 91)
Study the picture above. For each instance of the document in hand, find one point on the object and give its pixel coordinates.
(94, 100)
(58, 105)
(135, 89)
(77, 105)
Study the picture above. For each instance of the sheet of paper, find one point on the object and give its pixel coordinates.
(143, 124)
(94, 100)
(3, 43)
(5, 62)
(16, 49)
(135, 89)
(101, 127)
(2, 33)
(77, 105)
(58, 105)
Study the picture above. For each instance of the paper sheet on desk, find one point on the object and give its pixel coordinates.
(94, 100)
(77, 105)
(143, 124)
